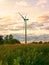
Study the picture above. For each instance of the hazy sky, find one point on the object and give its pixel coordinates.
(36, 10)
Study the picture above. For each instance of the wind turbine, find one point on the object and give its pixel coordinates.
(25, 21)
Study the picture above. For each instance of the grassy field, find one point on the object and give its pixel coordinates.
(24, 54)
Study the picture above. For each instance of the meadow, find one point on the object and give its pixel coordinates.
(24, 54)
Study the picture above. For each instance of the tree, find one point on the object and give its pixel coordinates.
(10, 40)
(1, 39)
(10, 36)
(35, 42)
(6, 37)
(16, 41)
(40, 42)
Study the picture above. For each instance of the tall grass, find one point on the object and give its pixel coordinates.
(22, 54)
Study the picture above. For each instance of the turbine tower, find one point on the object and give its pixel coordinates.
(25, 21)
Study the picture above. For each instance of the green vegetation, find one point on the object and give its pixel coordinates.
(8, 39)
(40, 42)
(24, 54)
(1, 39)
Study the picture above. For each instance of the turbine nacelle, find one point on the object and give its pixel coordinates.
(24, 18)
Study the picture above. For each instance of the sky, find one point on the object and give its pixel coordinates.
(36, 10)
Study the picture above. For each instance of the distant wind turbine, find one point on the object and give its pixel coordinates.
(25, 21)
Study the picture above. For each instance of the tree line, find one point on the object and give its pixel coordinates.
(8, 39)
(40, 42)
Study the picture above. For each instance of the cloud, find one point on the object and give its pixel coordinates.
(35, 25)
(6, 24)
(40, 26)
(44, 37)
(6, 7)
(41, 3)
(45, 26)
(43, 18)
(11, 22)
(22, 3)
(15, 27)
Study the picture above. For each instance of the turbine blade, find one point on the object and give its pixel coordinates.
(21, 15)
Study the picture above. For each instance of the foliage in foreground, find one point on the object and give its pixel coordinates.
(24, 55)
